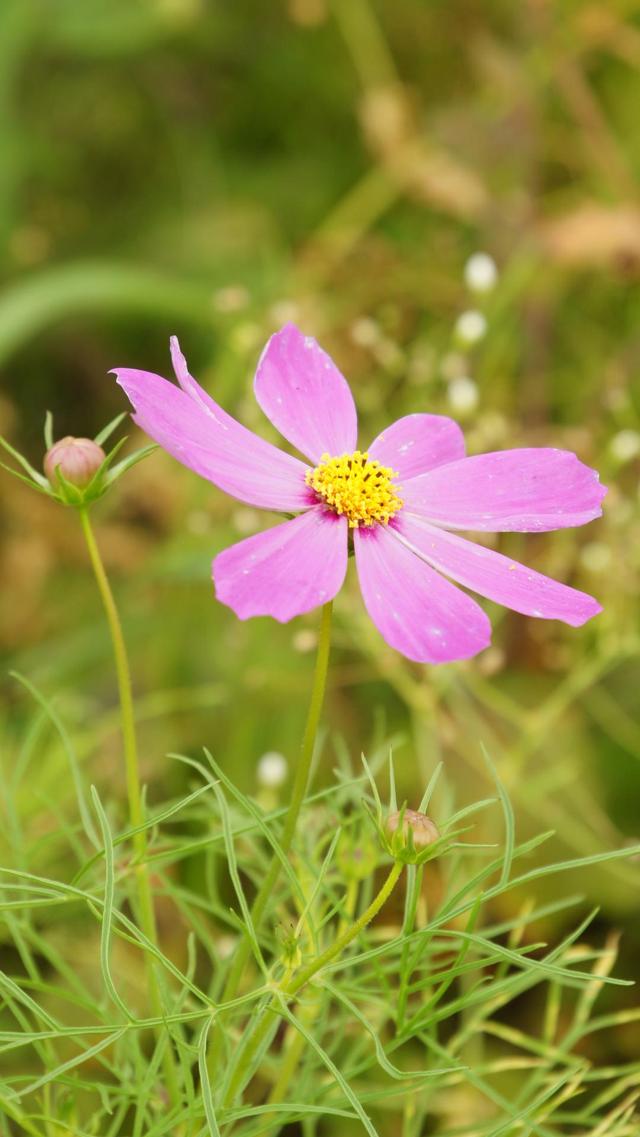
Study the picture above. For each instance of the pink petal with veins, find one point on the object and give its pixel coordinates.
(417, 443)
(416, 610)
(292, 568)
(521, 490)
(304, 395)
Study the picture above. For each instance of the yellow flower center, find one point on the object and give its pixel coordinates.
(358, 487)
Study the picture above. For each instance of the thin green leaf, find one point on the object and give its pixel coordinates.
(374, 1034)
(48, 430)
(130, 461)
(107, 909)
(106, 432)
(27, 481)
(347, 1090)
(72, 1063)
(35, 474)
(393, 796)
(372, 784)
(509, 818)
(249, 929)
(428, 793)
(149, 824)
(259, 819)
(205, 1084)
(54, 717)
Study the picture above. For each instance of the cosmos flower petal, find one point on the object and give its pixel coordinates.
(192, 427)
(191, 387)
(292, 568)
(493, 575)
(417, 443)
(522, 490)
(304, 395)
(416, 610)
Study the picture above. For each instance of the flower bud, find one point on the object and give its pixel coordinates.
(77, 459)
(422, 829)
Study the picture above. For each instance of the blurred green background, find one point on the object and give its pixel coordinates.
(214, 169)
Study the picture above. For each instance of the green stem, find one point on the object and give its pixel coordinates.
(289, 989)
(124, 685)
(414, 883)
(306, 973)
(146, 913)
(303, 770)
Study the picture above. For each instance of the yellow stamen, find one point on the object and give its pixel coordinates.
(358, 487)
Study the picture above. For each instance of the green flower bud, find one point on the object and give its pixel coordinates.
(77, 459)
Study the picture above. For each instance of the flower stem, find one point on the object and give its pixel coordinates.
(301, 781)
(124, 684)
(146, 914)
(289, 987)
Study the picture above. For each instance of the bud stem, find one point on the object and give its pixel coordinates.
(146, 913)
(414, 884)
(306, 973)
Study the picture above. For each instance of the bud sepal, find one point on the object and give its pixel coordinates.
(411, 836)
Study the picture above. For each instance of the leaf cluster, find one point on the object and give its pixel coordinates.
(411, 1027)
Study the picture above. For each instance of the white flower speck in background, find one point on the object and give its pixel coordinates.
(272, 769)
(480, 273)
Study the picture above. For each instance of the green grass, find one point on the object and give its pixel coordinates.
(414, 1008)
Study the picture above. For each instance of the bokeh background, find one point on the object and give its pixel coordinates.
(214, 169)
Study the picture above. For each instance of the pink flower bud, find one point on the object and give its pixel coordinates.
(76, 458)
(424, 830)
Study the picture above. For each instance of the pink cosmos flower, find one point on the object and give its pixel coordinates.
(402, 501)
